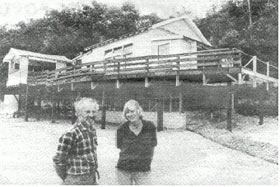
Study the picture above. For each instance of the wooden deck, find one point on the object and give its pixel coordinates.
(209, 66)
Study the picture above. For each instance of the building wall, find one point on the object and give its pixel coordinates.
(144, 44)
(19, 76)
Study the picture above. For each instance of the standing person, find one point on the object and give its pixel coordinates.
(136, 140)
(76, 159)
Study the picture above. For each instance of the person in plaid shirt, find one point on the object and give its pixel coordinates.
(76, 160)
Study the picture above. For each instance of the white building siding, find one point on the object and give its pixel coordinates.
(19, 76)
(142, 46)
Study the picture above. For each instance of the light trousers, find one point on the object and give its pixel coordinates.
(133, 177)
(85, 179)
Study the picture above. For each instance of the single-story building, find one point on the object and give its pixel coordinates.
(20, 64)
(172, 36)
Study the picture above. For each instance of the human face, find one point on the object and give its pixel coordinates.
(88, 113)
(132, 114)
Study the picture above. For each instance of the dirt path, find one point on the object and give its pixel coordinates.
(180, 158)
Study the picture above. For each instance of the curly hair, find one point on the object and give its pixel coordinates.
(84, 101)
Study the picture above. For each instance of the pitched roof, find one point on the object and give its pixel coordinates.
(193, 32)
(40, 56)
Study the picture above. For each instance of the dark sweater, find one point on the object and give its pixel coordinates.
(136, 151)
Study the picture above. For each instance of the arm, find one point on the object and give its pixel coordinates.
(60, 159)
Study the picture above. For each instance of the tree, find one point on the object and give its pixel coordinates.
(229, 27)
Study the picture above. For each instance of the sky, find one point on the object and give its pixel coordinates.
(13, 11)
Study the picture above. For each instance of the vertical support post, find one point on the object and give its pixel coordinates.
(58, 109)
(39, 110)
(177, 79)
(180, 101)
(254, 64)
(72, 86)
(147, 84)
(240, 80)
(254, 70)
(19, 103)
(117, 83)
(267, 86)
(178, 72)
(53, 107)
(267, 69)
(103, 117)
(230, 111)
(118, 79)
(26, 103)
(267, 74)
(103, 97)
(73, 116)
(261, 109)
(147, 66)
(170, 103)
(203, 79)
(159, 115)
(261, 115)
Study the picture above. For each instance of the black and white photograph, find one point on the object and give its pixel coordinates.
(139, 92)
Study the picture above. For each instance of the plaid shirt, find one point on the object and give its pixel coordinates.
(76, 151)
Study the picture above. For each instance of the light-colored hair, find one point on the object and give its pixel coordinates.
(130, 103)
(84, 101)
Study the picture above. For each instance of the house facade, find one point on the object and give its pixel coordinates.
(173, 36)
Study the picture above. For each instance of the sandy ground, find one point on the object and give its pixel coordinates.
(181, 157)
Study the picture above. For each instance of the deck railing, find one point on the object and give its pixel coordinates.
(257, 65)
(146, 65)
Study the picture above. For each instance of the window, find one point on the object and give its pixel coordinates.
(16, 66)
(127, 49)
(108, 54)
(163, 49)
(119, 52)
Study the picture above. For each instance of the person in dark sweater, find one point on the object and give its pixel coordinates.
(136, 139)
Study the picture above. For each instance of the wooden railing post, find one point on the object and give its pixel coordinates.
(255, 64)
(147, 74)
(147, 65)
(254, 70)
(178, 71)
(267, 69)
(118, 79)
